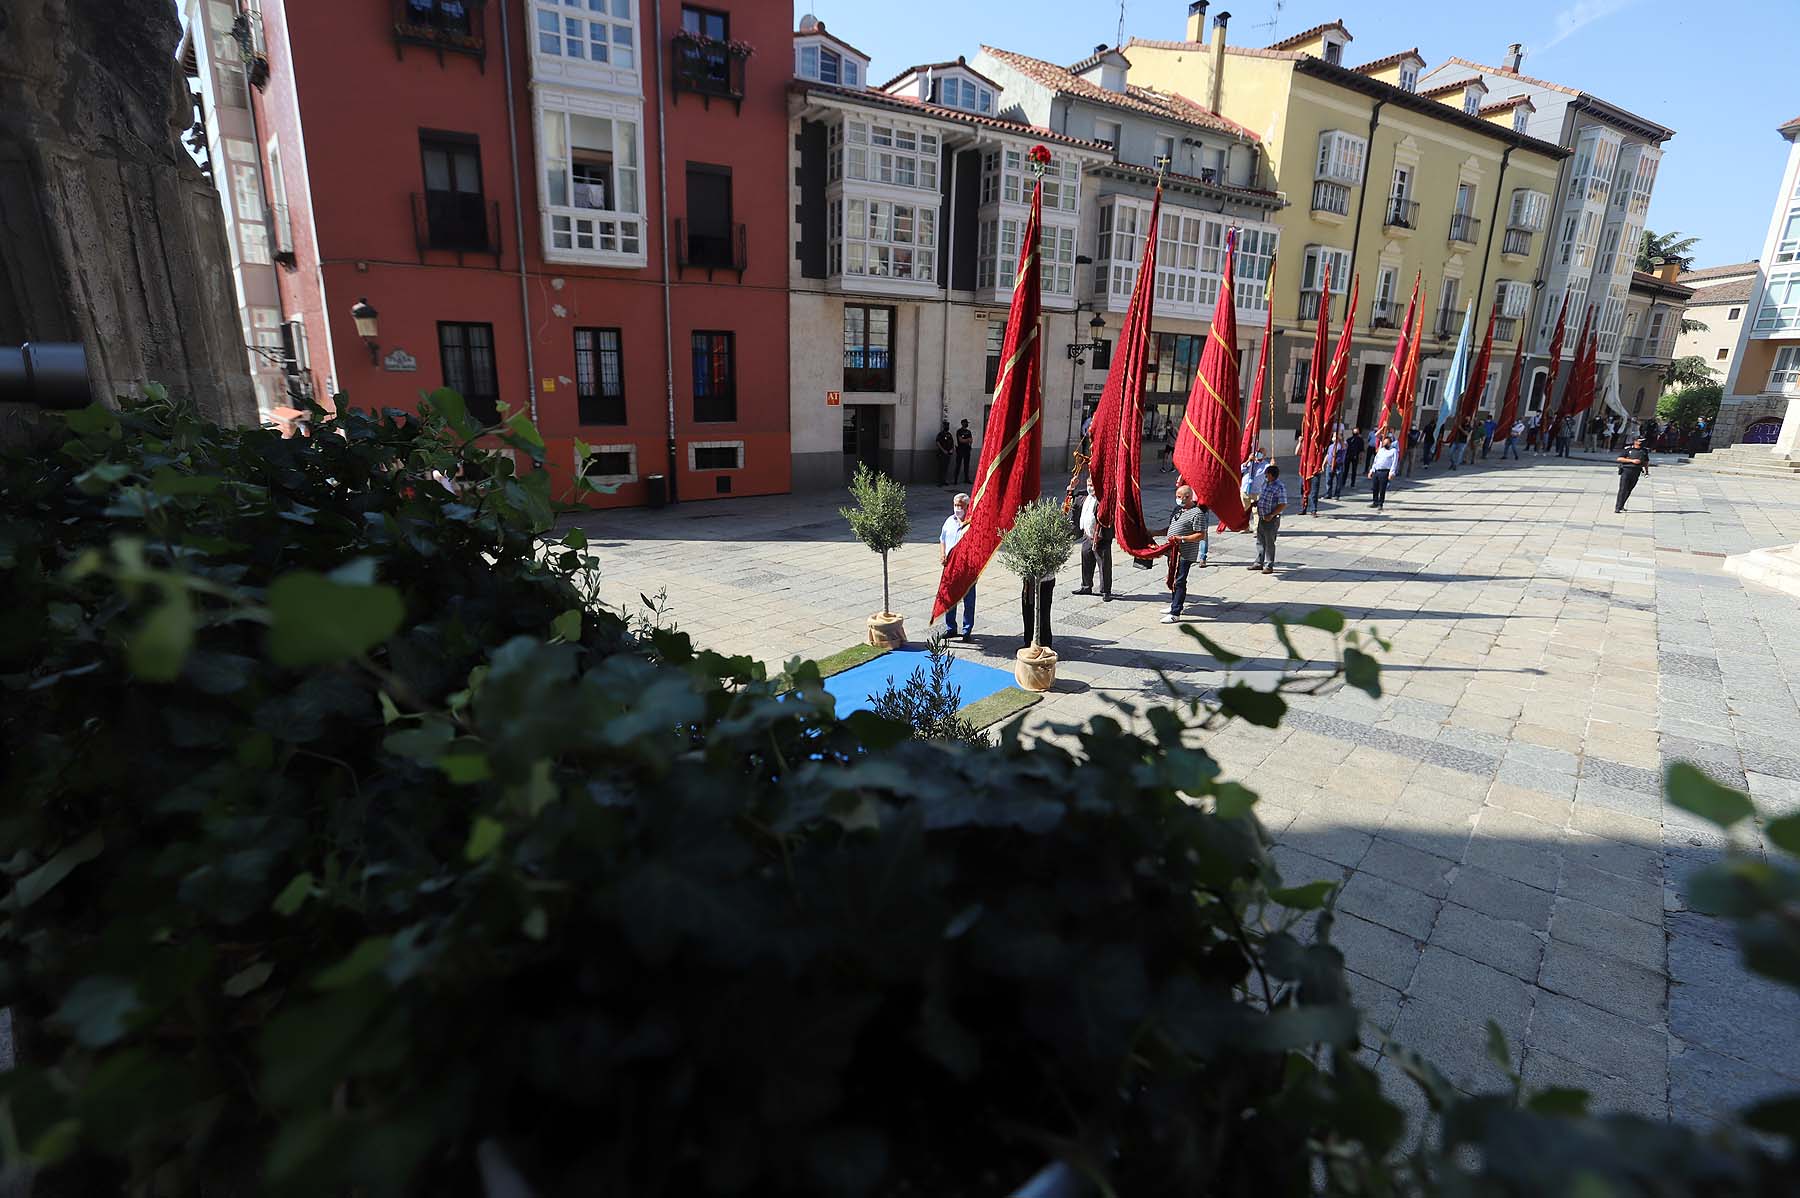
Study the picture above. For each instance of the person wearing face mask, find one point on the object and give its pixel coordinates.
(1187, 532)
(1381, 471)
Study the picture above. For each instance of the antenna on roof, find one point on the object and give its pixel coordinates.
(1120, 40)
(1274, 17)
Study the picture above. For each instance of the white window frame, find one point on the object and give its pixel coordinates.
(1310, 268)
(891, 153)
(620, 31)
(1784, 374)
(565, 226)
(1004, 181)
(878, 238)
(1787, 238)
(1513, 298)
(1520, 116)
(1341, 157)
(1431, 390)
(1779, 311)
(1471, 100)
(1110, 133)
(1124, 223)
(1387, 282)
(1529, 210)
(1409, 77)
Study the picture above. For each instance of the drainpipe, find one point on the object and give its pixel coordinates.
(262, 168)
(949, 276)
(662, 200)
(1362, 200)
(512, 143)
(1493, 220)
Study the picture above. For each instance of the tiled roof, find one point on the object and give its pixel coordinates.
(1444, 89)
(1307, 35)
(1148, 174)
(1381, 64)
(1503, 105)
(1093, 60)
(1567, 91)
(961, 116)
(819, 31)
(1792, 126)
(1724, 293)
(1148, 101)
(959, 62)
(1647, 281)
(1714, 272)
(1154, 43)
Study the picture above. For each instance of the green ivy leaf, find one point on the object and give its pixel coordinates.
(1784, 833)
(451, 406)
(317, 620)
(161, 643)
(464, 767)
(568, 625)
(248, 979)
(1219, 653)
(97, 1009)
(519, 424)
(1692, 790)
(1309, 897)
(1232, 800)
(40, 881)
(576, 539)
(1325, 619)
(1363, 672)
(536, 924)
(1263, 708)
(365, 960)
(485, 836)
(294, 895)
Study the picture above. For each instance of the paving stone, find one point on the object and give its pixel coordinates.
(1376, 952)
(1298, 867)
(1379, 1004)
(1389, 904)
(1645, 1097)
(1606, 981)
(1705, 1087)
(1600, 1040)
(1480, 991)
(1328, 839)
(1540, 806)
(1536, 865)
(1578, 923)
(1636, 861)
(1420, 871)
(1502, 897)
(1509, 947)
(1454, 1040)
(1631, 897)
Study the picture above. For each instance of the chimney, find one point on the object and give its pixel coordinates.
(1196, 22)
(1100, 47)
(1669, 272)
(1218, 61)
(1515, 54)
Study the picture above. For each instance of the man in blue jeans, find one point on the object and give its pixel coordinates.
(1187, 531)
(955, 525)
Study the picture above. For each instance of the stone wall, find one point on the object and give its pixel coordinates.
(109, 234)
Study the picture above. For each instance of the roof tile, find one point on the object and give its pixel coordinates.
(1725, 293)
(1148, 101)
(1307, 35)
(1381, 64)
(1714, 272)
(961, 116)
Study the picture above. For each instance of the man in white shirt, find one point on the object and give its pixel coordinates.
(1096, 549)
(955, 525)
(1381, 470)
(1512, 439)
(1252, 474)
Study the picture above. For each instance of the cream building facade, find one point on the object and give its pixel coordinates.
(1721, 294)
(1762, 390)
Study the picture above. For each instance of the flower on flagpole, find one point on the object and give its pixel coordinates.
(1039, 157)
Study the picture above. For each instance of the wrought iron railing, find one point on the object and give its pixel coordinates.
(1402, 213)
(453, 26)
(1516, 241)
(1331, 197)
(709, 68)
(1464, 229)
(711, 251)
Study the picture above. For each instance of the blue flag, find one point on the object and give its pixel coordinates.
(1458, 380)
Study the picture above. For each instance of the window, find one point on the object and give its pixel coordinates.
(879, 153)
(1409, 77)
(954, 92)
(996, 342)
(868, 348)
(1734, 314)
(1255, 252)
(1653, 331)
(599, 379)
(1785, 374)
(1514, 298)
(1170, 360)
(1334, 53)
(446, 16)
(591, 173)
(1381, 309)
(1123, 227)
(718, 457)
(704, 22)
(1471, 100)
(882, 239)
(1528, 211)
(709, 227)
(997, 255)
(1178, 258)
(1107, 132)
(1297, 378)
(599, 31)
(1609, 249)
(1317, 256)
(455, 210)
(1780, 311)
(294, 355)
(1164, 149)
(1787, 245)
(1465, 199)
(610, 465)
(1520, 115)
(1449, 314)
(715, 377)
(1721, 355)
(1433, 391)
(466, 352)
(1341, 156)
(1402, 184)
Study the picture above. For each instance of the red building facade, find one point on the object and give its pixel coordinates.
(574, 207)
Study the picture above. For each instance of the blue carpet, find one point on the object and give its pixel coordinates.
(853, 687)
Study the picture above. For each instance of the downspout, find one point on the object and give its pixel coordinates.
(662, 201)
(949, 278)
(512, 143)
(1493, 222)
(262, 168)
(1362, 200)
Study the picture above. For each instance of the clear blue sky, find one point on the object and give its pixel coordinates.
(1721, 73)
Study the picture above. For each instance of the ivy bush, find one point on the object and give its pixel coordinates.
(350, 849)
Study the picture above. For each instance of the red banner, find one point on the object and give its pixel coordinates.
(1409, 380)
(1390, 389)
(1007, 474)
(1118, 429)
(1206, 449)
(1253, 418)
(1468, 411)
(1339, 374)
(1310, 450)
(1547, 426)
(1509, 410)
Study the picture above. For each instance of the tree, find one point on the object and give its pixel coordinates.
(1657, 248)
(1690, 325)
(879, 518)
(1691, 371)
(927, 702)
(1035, 548)
(1685, 407)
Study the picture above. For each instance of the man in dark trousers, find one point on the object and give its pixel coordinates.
(946, 446)
(1096, 549)
(1353, 451)
(1632, 463)
(965, 445)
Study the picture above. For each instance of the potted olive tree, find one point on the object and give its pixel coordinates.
(879, 521)
(1035, 548)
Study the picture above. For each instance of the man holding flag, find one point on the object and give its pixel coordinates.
(1469, 410)
(1007, 475)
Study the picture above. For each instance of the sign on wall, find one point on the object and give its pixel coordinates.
(399, 359)
(834, 399)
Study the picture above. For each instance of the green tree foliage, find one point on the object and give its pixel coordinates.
(1689, 371)
(348, 852)
(1037, 545)
(1654, 249)
(1685, 407)
(927, 703)
(879, 518)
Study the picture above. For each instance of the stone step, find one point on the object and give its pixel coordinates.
(1778, 568)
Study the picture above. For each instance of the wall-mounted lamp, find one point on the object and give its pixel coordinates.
(367, 326)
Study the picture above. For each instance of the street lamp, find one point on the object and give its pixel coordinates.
(1078, 350)
(367, 326)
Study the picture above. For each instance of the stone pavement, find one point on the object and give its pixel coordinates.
(1496, 816)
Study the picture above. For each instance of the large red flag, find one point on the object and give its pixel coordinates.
(1309, 451)
(1253, 417)
(1390, 389)
(1119, 441)
(1509, 410)
(1339, 374)
(1470, 406)
(1564, 411)
(1206, 449)
(1409, 380)
(1547, 425)
(1007, 474)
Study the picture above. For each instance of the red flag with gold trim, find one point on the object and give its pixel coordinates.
(1547, 425)
(1206, 448)
(1390, 389)
(1339, 374)
(1409, 380)
(1509, 409)
(1007, 474)
(1117, 434)
(1310, 451)
(1253, 417)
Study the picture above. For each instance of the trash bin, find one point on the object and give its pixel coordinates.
(656, 490)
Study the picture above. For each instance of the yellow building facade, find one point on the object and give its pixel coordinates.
(1383, 184)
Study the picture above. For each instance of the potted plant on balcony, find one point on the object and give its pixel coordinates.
(1035, 548)
(879, 521)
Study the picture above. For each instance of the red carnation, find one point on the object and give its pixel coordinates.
(1039, 155)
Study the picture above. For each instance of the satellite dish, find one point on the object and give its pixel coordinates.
(808, 23)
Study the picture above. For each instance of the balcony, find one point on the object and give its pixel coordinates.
(871, 368)
(1449, 322)
(1464, 229)
(710, 68)
(1506, 328)
(1381, 316)
(711, 251)
(447, 26)
(1309, 305)
(1647, 349)
(284, 234)
(1401, 214)
(457, 222)
(1330, 199)
(1516, 242)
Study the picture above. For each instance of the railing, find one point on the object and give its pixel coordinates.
(1464, 229)
(1505, 328)
(1516, 241)
(1309, 305)
(1402, 213)
(1331, 197)
(455, 222)
(711, 251)
(284, 233)
(708, 68)
(455, 26)
(1449, 322)
(870, 368)
(1381, 316)
(1776, 319)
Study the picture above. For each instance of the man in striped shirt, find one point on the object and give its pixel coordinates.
(1269, 506)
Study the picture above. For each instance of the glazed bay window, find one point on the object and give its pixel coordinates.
(997, 256)
(1528, 211)
(599, 377)
(1341, 157)
(1178, 258)
(873, 152)
(1784, 377)
(1123, 226)
(592, 187)
(1312, 271)
(868, 348)
(597, 31)
(715, 376)
(882, 239)
(1005, 180)
(1780, 310)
